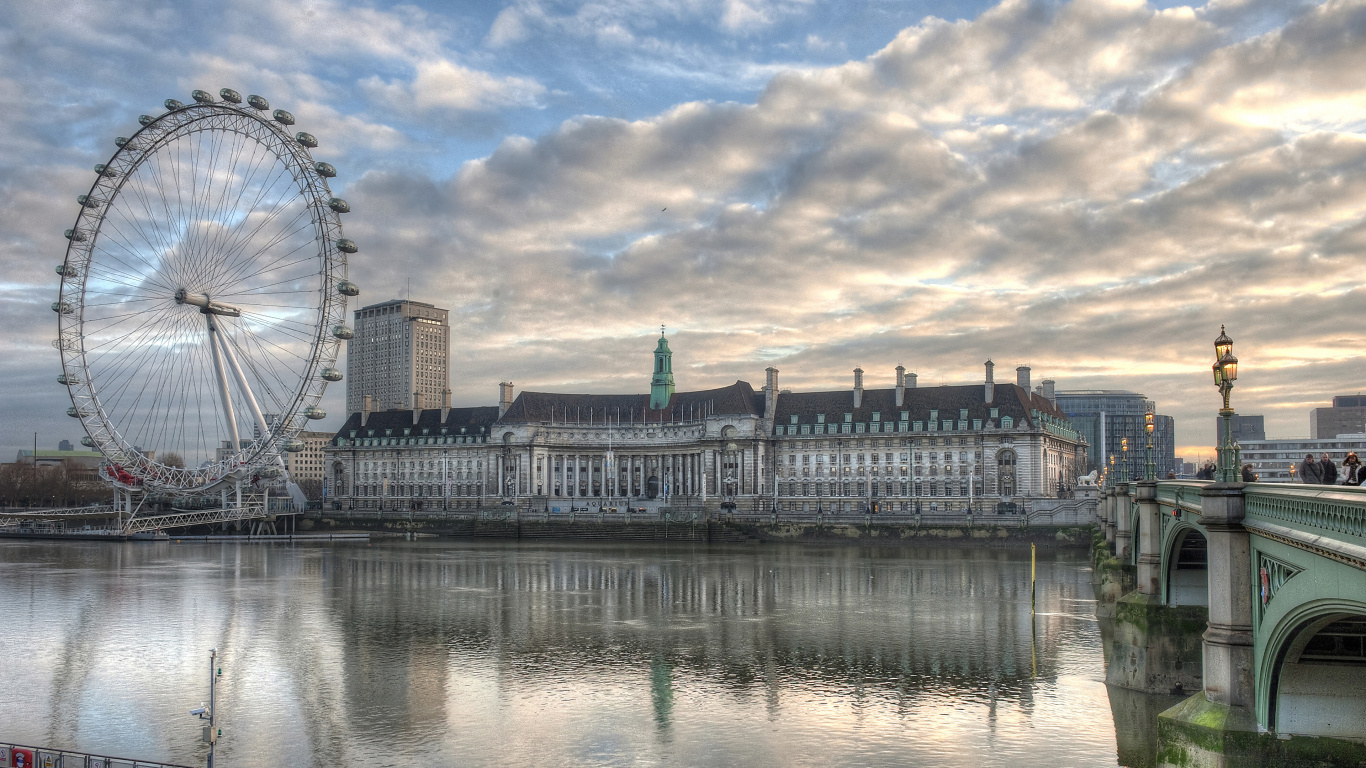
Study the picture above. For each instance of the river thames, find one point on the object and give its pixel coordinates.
(515, 654)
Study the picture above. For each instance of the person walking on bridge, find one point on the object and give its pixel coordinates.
(1311, 472)
(1330, 470)
(1351, 470)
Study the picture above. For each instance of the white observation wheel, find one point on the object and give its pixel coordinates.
(203, 295)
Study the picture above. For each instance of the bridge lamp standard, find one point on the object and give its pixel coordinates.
(1149, 468)
(1124, 460)
(1225, 373)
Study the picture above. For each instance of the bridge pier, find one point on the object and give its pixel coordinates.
(1153, 647)
(1124, 534)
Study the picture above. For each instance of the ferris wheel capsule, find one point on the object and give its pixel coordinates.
(339, 205)
(293, 445)
(229, 95)
(343, 332)
(105, 170)
(76, 413)
(348, 288)
(172, 105)
(306, 139)
(282, 117)
(121, 141)
(87, 201)
(146, 119)
(74, 236)
(347, 246)
(331, 374)
(314, 412)
(325, 169)
(62, 307)
(203, 97)
(67, 380)
(87, 442)
(258, 102)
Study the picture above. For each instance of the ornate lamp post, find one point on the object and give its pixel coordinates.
(1149, 468)
(1124, 463)
(1225, 373)
(1110, 473)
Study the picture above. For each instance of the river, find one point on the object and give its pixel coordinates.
(515, 654)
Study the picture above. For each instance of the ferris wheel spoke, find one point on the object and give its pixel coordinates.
(262, 190)
(225, 232)
(243, 280)
(240, 258)
(120, 238)
(97, 332)
(230, 232)
(120, 392)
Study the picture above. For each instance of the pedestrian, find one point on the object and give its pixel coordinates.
(1206, 472)
(1248, 475)
(1330, 470)
(1351, 469)
(1310, 471)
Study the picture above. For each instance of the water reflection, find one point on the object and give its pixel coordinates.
(512, 654)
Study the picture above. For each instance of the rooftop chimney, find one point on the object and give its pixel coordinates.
(858, 387)
(771, 393)
(991, 382)
(910, 381)
(445, 404)
(900, 385)
(367, 405)
(417, 407)
(504, 397)
(1049, 391)
(1022, 377)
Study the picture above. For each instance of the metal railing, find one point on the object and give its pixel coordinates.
(45, 757)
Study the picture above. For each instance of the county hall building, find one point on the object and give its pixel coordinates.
(901, 449)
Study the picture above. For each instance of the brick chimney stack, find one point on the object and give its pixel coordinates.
(858, 387)
(900, 385)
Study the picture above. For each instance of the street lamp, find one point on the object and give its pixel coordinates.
(1110, 474)
(1149, 468)
(1124, 464)
(1225, 370)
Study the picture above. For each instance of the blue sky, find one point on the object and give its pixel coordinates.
(1088, 187)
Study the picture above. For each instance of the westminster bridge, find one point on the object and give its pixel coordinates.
(1251, 596)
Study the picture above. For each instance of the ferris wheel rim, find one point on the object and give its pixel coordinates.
(328, 308)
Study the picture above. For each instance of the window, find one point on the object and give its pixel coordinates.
(877, 416)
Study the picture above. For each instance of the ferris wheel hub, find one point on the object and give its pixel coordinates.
(206, 305)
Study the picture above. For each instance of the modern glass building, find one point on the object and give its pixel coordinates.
(1106, 417)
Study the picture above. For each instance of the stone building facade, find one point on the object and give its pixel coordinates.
(940, 450)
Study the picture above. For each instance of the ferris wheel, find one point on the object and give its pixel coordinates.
(203, 295)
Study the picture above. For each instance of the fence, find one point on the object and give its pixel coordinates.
(20, 756)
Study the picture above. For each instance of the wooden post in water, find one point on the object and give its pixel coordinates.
(1032, 588)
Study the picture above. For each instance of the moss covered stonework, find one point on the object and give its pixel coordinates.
(1156, 648)
(912, 535)
(1198, 733)
(1110, 578)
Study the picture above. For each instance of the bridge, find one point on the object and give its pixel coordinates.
(1252, 595)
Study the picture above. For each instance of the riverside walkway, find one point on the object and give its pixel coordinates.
(1252, 595)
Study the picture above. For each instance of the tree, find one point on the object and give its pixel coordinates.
(173, 459)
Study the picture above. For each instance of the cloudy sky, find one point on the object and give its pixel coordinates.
(1089, 187)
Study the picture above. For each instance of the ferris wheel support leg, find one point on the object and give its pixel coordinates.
(242, 384)
(216, 345)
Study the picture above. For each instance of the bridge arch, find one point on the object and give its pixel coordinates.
(1313, 676)
(1186, 566)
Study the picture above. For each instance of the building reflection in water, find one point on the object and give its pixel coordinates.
(514, 654)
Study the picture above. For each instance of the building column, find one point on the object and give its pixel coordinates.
(1149, 539)
(1228, 641)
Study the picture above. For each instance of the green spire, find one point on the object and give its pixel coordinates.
(662, 382)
